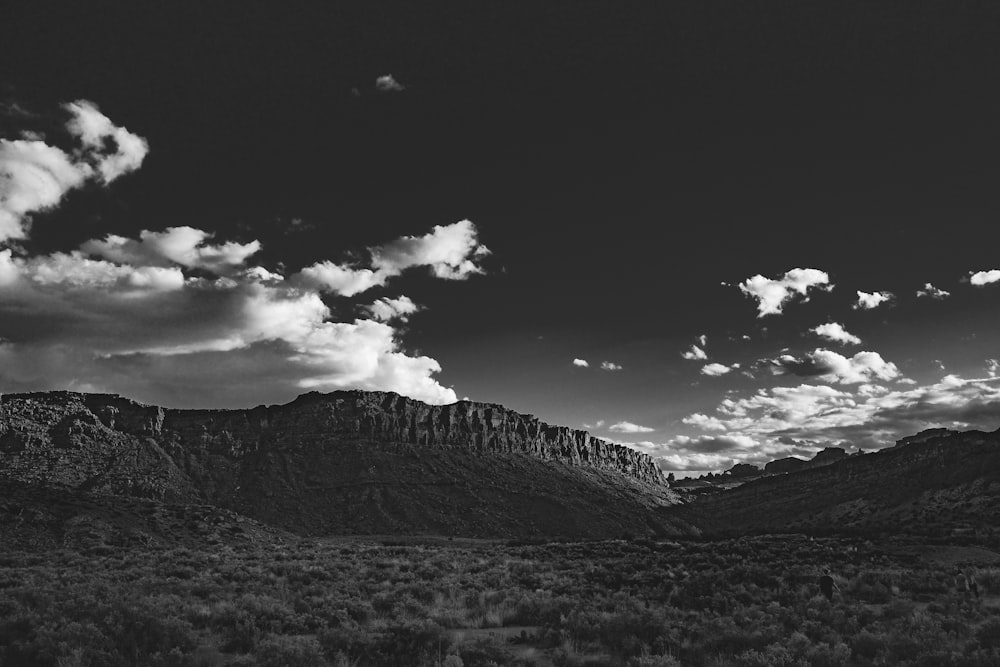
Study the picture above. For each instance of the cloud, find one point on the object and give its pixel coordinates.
(386, 309)
(932, 292)
(704, 422)
(817, 416)
(610, 366)
(833, 367)
(695, 354)
(702, 340)
(598, 424)
(836, 333)
(450, 251)
(629, 427)
(97, 132)
(177, 317)
(35, 176)
(388, 84)
(773, 295)
(980, 278)
(716, 370)
(175, 245)
(582, 363)
(993, 367)
(870, 300)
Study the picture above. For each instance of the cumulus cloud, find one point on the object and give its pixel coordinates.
(386, 309)
(35, 176)
(980, 278)
(932, 292)
(387, 84)
(773, 295)
(833, 367)
(695, 354)
(610, 366)
(825, 416)
(835, 332)
(629, 427)
(450, 251)
(185, 246)
(716, 370)
(993, 367)
(582, 363)
(870, 300)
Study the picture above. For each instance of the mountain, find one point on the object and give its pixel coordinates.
(348, 462)
(940, 484)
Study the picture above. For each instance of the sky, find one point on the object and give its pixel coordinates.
(717, 232)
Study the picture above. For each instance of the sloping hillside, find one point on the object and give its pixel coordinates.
(942, 485)
(346, 462)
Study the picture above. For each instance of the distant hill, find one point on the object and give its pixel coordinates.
(939, 483)
(349, 462)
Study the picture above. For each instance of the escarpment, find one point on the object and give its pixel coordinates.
(350, 461)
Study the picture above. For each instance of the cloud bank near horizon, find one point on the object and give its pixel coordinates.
(175, 317)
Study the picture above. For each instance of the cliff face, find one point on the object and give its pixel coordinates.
(381, 418)
(346, 461)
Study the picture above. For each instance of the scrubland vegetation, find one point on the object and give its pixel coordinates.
(750, 601)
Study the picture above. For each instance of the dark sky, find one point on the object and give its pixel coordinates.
(620, 162)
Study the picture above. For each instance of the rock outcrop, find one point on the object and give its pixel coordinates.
(350, 450)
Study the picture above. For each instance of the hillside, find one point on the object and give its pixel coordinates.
(939, 484)
(348, 462)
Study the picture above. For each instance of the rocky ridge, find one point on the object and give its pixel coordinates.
(348, 461)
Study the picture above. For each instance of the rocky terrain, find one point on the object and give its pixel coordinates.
(345, 462)
(940, 484)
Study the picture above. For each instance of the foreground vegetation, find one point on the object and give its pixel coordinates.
(749, 601)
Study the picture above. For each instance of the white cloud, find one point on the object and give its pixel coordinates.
(387, 84)
(629, 427)
(35, 176)
(863, 367)
(702, 340)
(716, 370)
(980, 278)
(870, 417)
(773, 295)
(582, 363)
(993, 367)
(932, 292)
(610, 366)
(704, 422)
(96, 131)
(173, 317)
(386, 309)
(836, 333)
(695, 354)
(870, 300)
(175, 245)
(450, 251)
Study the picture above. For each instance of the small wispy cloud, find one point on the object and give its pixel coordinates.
(932, 292)
(715, 370)
(870, 300)
(695, 354)
(835, 332)
(629, 427)
(387, 83)
(610, 366)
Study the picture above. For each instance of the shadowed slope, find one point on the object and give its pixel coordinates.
(346, 462)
